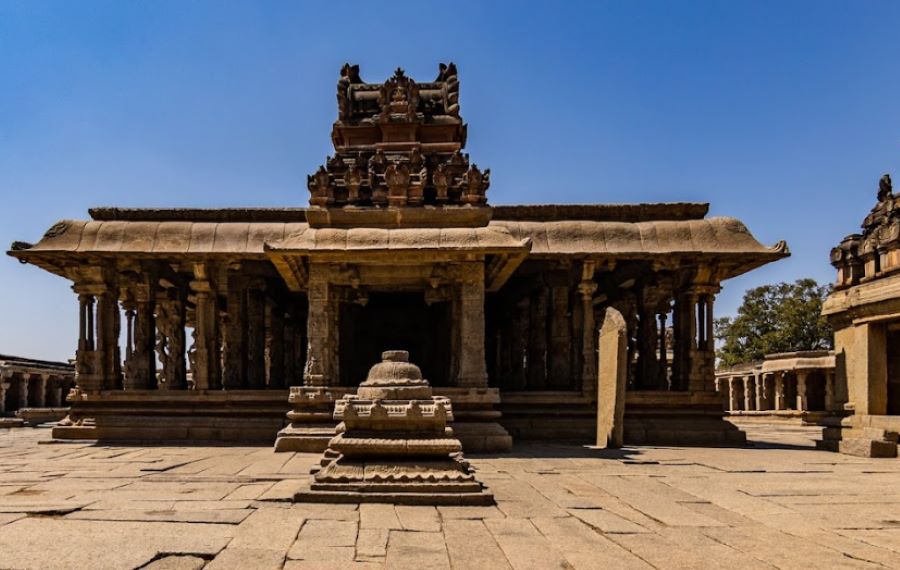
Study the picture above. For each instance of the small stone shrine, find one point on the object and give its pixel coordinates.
(393, 445)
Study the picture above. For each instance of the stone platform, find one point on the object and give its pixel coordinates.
(776, 504)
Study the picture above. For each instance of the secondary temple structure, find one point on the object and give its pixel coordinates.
(223, 311)
(782, 386)
(864, 310)
(33, 388)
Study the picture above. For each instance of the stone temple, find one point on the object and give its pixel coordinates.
(223, 314)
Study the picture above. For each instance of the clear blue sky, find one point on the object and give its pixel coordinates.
(784, 114)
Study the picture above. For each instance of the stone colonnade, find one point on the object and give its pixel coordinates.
(778, 390)
(203, 327)
(543, 332)
(23, 389)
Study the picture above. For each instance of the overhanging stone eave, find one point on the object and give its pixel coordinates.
(44, 262)
(292, 263)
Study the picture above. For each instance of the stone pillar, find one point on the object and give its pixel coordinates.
(537, 307)
(23, 391)
(749, 399)
(256, 335)
(234, 355)
(685, 323)
(663, 354)
(108, 326)
(611, 380)
(588, 349)
(734, 403)
(4, 385)
(518, 332)
(779, 390)
(42, 391)
(760, 383)
(703, 357)
(472, 364)
(275, 348)
(140, 364)
(647, 373)
(560, 336)
(170, 340)
(802, 404)
(96, 366)
(317, 371)
(207, 360)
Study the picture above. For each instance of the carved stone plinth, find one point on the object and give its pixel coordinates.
(312, 426)
(394, 445)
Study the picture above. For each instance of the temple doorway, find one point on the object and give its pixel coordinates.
(396, 321)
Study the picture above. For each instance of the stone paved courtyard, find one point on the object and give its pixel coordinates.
(778, 504)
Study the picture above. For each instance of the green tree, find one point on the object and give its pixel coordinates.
(784, 317)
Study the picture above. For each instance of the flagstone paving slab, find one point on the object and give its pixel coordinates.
(775, 504)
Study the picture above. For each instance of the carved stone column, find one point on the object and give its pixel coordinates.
(140, 361)
(779, 390)
(170, 340)
(734, 403)
(23, 391)
(685, 339)
(4, 386)
(472, 364)
(518, 335)
(663, 354)
(536, 308)
(318, 371)
(207, 360)
(256, 334)
(749, 399)
(802, 400)
(41, 399)
(275, 348)
(560, 334)
(96, 360)
(234, 355)
(587, 288)
(108, 326)
(760, 383)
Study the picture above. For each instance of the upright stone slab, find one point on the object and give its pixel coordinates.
(611, 379)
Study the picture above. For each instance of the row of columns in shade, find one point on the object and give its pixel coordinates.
(693, 354)
(750, 392)
(50, 390)
(693, 359)
(252, 344)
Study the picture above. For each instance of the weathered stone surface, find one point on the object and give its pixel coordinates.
(470, 545)
(176, 562)
(523, 545)
(269, 529)
(35, 543)
(413, 550)
(612, 377)
(235, 558)
(782, 505)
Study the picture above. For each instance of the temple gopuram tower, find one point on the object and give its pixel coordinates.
(212, 323)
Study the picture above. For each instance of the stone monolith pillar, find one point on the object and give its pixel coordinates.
(611, 379)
